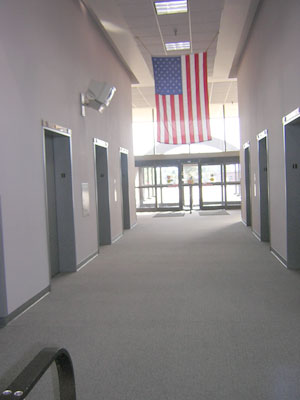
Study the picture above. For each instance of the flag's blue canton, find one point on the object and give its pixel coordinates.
(167, 75)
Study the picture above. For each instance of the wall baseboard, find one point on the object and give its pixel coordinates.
(24, 307)
(279, 258)
(133, 225)
(116, 238)
(255, 234)
(84, 262)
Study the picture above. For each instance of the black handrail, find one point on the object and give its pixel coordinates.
(32, 373)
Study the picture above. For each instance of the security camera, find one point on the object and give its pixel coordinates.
(98, 96)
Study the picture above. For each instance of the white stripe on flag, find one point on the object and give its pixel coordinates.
(169, 117)
(177, 118)
(194, 98)
(202, 97)
(185, 99)
(161, 122)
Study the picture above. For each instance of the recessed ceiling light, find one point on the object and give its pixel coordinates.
(170, 7)
(178, 46)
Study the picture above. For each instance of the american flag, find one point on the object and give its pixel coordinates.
(181, 96)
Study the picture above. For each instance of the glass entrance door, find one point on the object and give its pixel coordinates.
(167, 187)
(233, 187)
(190, 186)
(145, 189)
(212, 186)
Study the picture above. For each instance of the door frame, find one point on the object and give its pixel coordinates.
(126, 152)
(247, 181)
(222, 183)
(59, 130)
(261, 136)
(182, 185)
(103, 144)
(288, 119)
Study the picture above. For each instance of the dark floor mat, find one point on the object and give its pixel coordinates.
(213, 212)
(168, 214)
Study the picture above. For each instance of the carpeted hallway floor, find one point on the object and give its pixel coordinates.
(178, 309)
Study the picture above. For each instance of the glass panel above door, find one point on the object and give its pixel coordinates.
(167, 175)
(233, 172)
(190, 174)
(168, 197)
(212, 195)
(211, 174)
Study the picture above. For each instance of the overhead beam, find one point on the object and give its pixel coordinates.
(117, 32)
(236, 21)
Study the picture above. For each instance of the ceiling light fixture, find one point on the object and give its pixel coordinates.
(178, 46)
(171, 7)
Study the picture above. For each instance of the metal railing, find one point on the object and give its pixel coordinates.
(32, 373)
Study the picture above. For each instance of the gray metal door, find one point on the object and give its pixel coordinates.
(247, 186)
(125, 191)
(61, 233)
(52, 210)
(104, 229)
(263, 189)
(292, 168)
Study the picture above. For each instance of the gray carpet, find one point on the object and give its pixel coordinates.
(205, 213)
(168, 214)
(175, 310)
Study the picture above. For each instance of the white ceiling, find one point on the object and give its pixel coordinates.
(219, 27)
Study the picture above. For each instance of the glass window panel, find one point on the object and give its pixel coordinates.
(158, 194)
(168, 197)
(161, 148)
(233, 193)
(137, 177)
(232, 133)
(190, 173)
(216, 144)
(211, 173)
(137, 198)
(195, 194)
(233, 173)
(169, 175)
(158, 175)
(145, 197)
(212, 194)
(145, 176)
(231, 110)
(144, 133)
(143, 138)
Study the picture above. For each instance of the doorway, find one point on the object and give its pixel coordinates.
(59, 195)
(125, 188)
(292, 176)
(190, 186)
(263, 186)
(247, 184)
(212, 186)
(102, 192)
(168, 194)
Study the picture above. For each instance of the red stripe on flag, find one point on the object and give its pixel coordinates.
(158, 118)
(181, 113)
(165, 120)
(173, 116)
(189, 98)
(206, 95)
(199, 122)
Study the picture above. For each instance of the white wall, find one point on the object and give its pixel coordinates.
(49, 50)
(269, 88)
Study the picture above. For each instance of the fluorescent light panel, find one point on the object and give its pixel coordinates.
(178, 46)
(170, 7)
